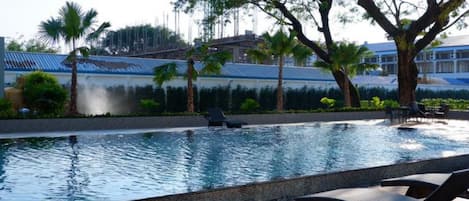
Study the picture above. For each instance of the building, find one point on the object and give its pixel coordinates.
(236, 45)
(449, 60)
(130, 71)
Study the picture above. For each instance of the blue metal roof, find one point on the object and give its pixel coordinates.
(452, 41)
(25, 61)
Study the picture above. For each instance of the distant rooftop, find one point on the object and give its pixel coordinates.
(24, 61)
(451, 41)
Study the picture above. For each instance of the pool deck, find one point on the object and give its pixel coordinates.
(156, 122)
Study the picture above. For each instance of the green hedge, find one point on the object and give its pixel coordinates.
(173, 99)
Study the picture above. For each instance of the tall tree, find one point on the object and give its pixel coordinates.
(347, 58)
(293, 13)
(212, 62)
(73, 25)
(412, 32)
(280, 45)
(138, 38)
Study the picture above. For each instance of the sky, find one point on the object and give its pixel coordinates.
(21, 18)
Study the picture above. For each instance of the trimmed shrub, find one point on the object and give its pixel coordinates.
(177, 99)
(6, 109)
(268, 98)
(214, 97)
(159, 96)
(459, 104)
(376, 102)
(249, 105)
(391, 103)
(43, 93)
(149, 106)
(240, 94)
(328, 102)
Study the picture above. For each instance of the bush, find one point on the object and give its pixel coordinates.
(459, 104)
(43, 93)
(149, 106)
(391, 103)
(239, 94)
(6, 109)
(249, 105)
(328, 102)
(376, 102)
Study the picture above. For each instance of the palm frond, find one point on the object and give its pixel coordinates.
(258, 54)
(51, 30)
(95, 35)
(71, 15)
(89, 19)
(301, 53)
(164, 73)
(214, 62)
(84, 51)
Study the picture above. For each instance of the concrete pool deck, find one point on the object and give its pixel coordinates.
(116, 123)
(156, 122)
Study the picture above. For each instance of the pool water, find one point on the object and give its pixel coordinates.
(120, 166)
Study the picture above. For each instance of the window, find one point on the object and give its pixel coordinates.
(463, 66)
(388, 58)
(390, 68)
(444, 67)
(461, 54)
(444, 55)
(371, 59)
(424, 56)
(425, 67)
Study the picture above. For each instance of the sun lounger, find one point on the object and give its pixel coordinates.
(420, 185)
(417, 111)
(442, 112)
(216, 117)
(454, 185)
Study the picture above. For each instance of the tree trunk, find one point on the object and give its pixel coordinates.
(280, 85)
(190, 90)
(407, 76)
(346, 90)
(340, 79)
(72, 110)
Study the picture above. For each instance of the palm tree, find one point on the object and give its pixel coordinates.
(346, 57)
(211, 64)
(280, 45)
(73, 25)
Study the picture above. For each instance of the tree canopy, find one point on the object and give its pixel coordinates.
(134, 39)
(294, 14)
(31, 45)
(413, 25)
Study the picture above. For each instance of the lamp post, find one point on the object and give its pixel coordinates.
(2, 67)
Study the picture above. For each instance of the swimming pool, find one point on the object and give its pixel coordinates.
(130, 165)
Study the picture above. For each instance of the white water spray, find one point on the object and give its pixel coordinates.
(94, 100)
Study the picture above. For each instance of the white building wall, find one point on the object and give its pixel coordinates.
(110, 80)
(114, 80)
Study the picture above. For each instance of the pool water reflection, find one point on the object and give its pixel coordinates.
(121, 166)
